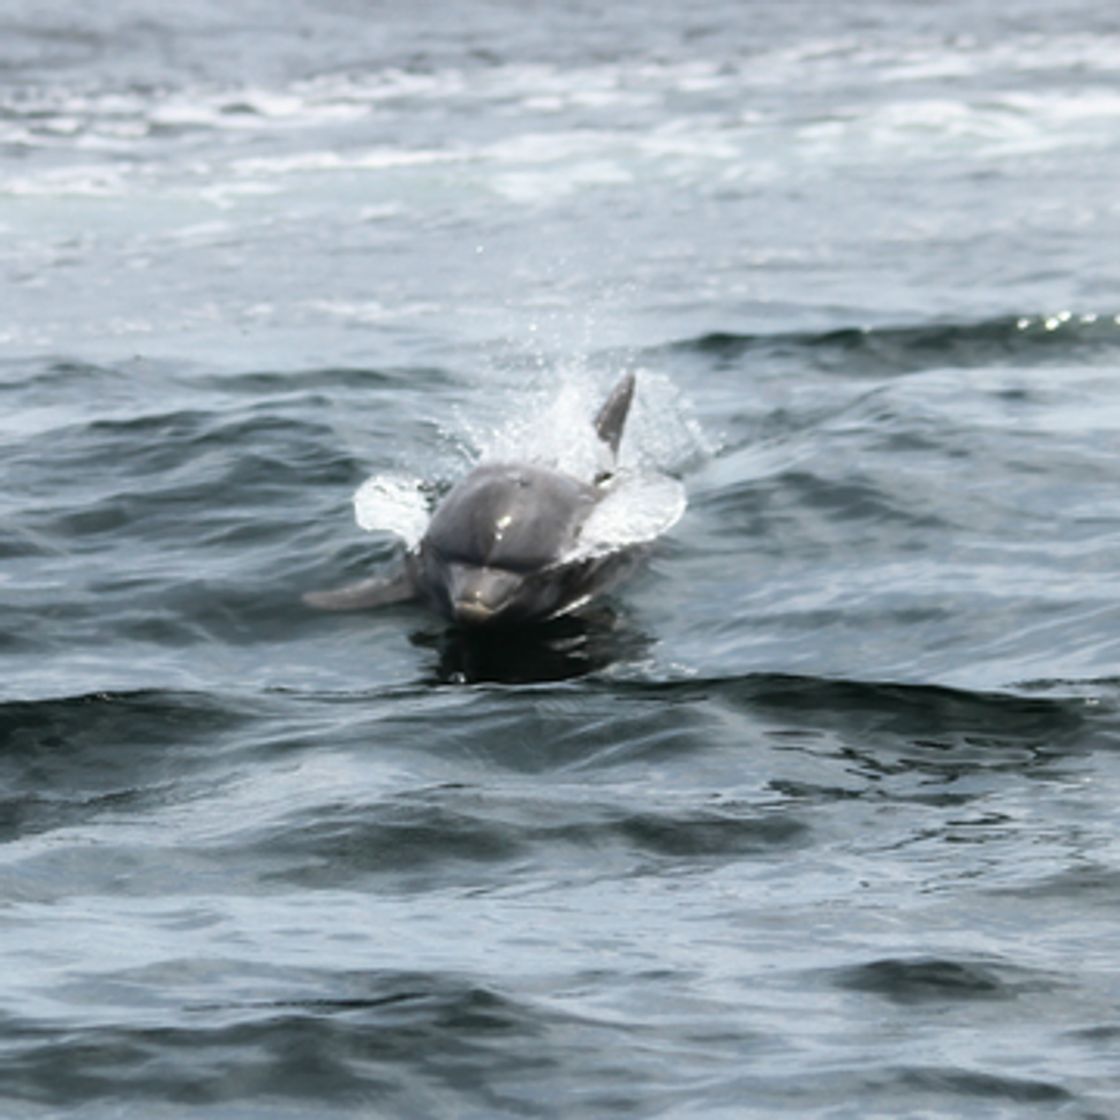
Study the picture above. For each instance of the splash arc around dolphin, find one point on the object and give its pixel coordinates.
(515, 543)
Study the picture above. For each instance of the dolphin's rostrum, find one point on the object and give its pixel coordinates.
(502, 548)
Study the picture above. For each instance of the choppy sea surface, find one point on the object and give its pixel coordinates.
(819, 816)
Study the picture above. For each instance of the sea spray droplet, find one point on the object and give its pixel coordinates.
(663, 433)
(553, 429)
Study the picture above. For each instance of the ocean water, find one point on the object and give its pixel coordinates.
(817, 816)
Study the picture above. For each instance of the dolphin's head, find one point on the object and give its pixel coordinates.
(487, 596)
(496, 552)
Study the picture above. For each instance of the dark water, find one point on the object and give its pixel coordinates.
(818, 817)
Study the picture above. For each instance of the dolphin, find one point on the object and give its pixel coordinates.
(501, 548)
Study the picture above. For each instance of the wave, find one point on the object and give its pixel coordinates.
(1005, 340)
(347, 1036)
(63, 725)
(1051, 707)
(929, 715)
(426, 1043)
(452, 835)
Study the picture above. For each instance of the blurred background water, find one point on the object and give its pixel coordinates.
(819, 818)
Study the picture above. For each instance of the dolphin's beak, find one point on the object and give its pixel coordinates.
(480, 596)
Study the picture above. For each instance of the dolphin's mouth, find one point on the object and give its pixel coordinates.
(482, 596)
(470, 612)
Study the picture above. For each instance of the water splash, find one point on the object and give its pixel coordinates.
(393, 503)
(663, 434)
(637, 509)
(661, 438)
(553, 426)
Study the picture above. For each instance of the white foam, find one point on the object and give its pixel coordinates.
(370, 159)
(370, 311)
(542, 187)
(78, 180)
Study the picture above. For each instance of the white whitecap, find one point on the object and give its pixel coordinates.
(391, 503)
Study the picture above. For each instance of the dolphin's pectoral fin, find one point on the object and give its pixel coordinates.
(379, 591)
(612, 416)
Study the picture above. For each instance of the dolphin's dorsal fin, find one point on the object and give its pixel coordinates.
(612, 416)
